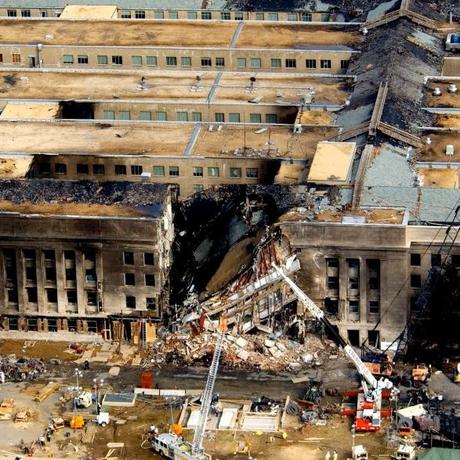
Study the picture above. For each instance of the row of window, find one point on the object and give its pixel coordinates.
(131, 302)
(186, 61)
(128, 258)
(130, 279)
(219, 117)
(173, 14)
(159, 171)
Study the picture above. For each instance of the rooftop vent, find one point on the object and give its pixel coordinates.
(437, 92)
(452, 88)
(449, 150)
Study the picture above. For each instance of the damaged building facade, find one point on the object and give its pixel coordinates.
(76, 256)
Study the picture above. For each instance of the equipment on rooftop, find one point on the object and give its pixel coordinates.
(437, 91)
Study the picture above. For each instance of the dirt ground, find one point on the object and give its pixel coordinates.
(32, 349)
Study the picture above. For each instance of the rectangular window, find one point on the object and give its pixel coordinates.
(128, 258)
(196, 116)
(455, 260)
(136, 170)
(435, 260)
(117, 60)
(109, 115)
(148, 258)
(51, 295)
(25, 13)
(173, 15)
(206, 15)
(130, 302)
(149, 279)
(45, 168)
(273, 16)
(255, 118)
(241, 63)
(256, 63)
(206, 62)
(145, 115)
(234, 117)
(72, 297)
(16, 58)
(326, 63)
(67, 59)
(415, 260)
(44, 14)
(373, 273)
(158, 170)
(186, 61)
(415, 280)
(181, 116)
(238, 16)
(291, 63)
(99, 169)
(120, 170)
(11, 13)
(344, 64)
(82, 168)
(171, 61)
(235, 172)
(197, 171)
(306, 17)
(197, 188)
(213, 171)
(271, 118)
(220, 62)
(130, 279)
(82, 59)
(161, 116)
(159, 14)
(225, 15)
(310, 63)
(252, 172)
(374, 307)
(151, 61)
(174, 170)
(260, 16)
(139, 14)
(276, 63)
(150, 303)
(124, 115)
(91, 298)
(325, 17)
(353, 307)
(60, 168)
(136, 60)
(192, 15)
(292, 17)
(1, 57)
(102, 60)
(219, 117)
(125, 14)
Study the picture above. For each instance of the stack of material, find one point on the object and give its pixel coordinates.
(246, 351)
(17, 370)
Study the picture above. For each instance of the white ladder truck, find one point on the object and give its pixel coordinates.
(368, 416)
(174, 447)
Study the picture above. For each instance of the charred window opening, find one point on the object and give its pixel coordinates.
(72, 110)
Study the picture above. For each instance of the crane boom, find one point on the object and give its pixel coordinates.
(206, 399)
(319, 314)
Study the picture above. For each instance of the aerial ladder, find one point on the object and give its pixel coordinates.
(368, 414)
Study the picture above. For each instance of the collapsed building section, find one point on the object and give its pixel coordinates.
(77, 255)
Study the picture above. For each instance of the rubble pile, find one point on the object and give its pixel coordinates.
(266, 353)
(21, 369)
(51, 191)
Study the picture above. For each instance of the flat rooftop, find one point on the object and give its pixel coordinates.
(260, 35)
(436, 151)
(15, 166)
(117, 33)
(105, 199)
(448, 120)
(160, 139)
(368, 216)
(446, 99)
(30, 110)
(173, 34)
(171, 86)
(89, 12)
(332, 162)
(439, 177)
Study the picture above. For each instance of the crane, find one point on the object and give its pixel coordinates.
(368, 413)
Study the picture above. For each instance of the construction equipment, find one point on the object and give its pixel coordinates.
(77, 422)
(359, 453)
(405, 452)
(369, 403)
(84, 399)
(172, 446)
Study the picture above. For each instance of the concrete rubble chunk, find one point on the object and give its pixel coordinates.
(242, 343)
(269, 343)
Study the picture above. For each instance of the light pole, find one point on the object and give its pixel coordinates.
(78, 373)
(98, 383)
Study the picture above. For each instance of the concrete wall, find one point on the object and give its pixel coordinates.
(51, 56)
(266, 169)
(108, 239)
